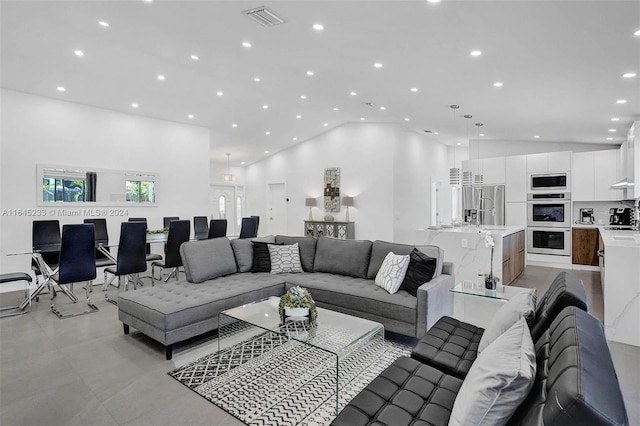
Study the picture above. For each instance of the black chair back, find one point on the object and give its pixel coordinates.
(77, 254)
(132, 257)
(179, 231)
(257, 223)
(142, 219)
(200, 227)
(45, 233)
(167, 220)
(102, 236)
(249, 227)
(217, 228)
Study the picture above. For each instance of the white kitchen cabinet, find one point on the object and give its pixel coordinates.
(559, 161)
(605, 175)
(493, 170)
(516, 187)
(582, 180)
(537, 163)
(516, 214)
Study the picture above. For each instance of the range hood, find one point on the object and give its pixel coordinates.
(623, 184)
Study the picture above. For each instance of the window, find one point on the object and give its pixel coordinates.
(64, 189)
(139, 191)
(222, 207)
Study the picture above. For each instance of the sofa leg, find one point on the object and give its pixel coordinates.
(126, 328)
(168, 350)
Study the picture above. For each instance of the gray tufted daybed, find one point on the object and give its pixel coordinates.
(338, 273)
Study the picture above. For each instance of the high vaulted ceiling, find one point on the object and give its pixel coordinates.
(561, 64)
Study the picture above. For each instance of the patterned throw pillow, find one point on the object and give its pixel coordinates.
(285, 258)
(392, 272)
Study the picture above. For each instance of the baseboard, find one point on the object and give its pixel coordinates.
(585, 268)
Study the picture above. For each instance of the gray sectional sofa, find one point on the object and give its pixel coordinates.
(339, 274)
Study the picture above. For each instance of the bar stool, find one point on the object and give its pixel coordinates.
(18, 309)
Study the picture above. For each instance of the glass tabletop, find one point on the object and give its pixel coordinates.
(333, 332)
(476, 288)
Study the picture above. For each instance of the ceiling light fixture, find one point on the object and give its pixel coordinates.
(621, 101)
(246, 44)
(353, 93)
(414, 89)
(234, 125)
(229, 177)
(256, 79)
(609, 139)
(629, 74)
(266, 152)
(303, 96)
(134, 105)
(407, 119)
(612, 130)
(454, 172)
(264, 16)
(615, 119)
(361, 118)
(433, 1)
(478, 179)
(61, 89)
(267, 133)
(467, 177)
(536, 137)
(383, 108)
(325, 124)
(219, 93)
(103, 24)
(195, 57)
(190, 115)
(377, 65)
(295, 138)
(318, 27)
(243, 163)
(310, 73)
(298, 116)
(498, 84)
(160, 77)
(336, 109)
(78, 52)
(436, 133)
(637, 33)
(265, 106)
(481, 134)
(475, 53)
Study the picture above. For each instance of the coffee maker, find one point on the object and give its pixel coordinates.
(586, 216)
(620, 216)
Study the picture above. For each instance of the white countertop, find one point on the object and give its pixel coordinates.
(618, 238)
(472, 229)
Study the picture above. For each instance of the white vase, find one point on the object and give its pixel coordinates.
(296, 312)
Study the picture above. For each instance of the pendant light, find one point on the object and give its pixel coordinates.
(229, 177)
(467, 177)
(479, 178)
(454, 172)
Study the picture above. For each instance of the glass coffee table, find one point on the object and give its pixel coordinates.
(334, 336)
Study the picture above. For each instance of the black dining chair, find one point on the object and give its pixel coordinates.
(77, 264)
(45, 238)
(200, 227)
(257, 223)
(167, 220)
(102, 237)
(179, 231)
(249, 228)
(217, 228)
(150, 256)
(131, 258)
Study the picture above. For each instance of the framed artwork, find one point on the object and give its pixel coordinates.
(332, 189)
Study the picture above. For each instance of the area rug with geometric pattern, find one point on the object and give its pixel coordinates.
(272, 380)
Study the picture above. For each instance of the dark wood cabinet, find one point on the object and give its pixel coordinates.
(584, 246)
(513, 247)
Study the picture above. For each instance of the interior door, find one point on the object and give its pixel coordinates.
(277, 208)
(223, 206)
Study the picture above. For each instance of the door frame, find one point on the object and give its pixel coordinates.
(236, 189)
(267, 205)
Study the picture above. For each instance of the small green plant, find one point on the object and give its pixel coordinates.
(157, 231)
(298, 297)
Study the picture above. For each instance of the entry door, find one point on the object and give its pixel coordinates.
(277, 208)
(224, 205)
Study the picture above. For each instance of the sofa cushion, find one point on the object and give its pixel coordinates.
(392, 272)
(498, 381)
(437, 253)
(307, 249)
(243, 250)
(421, 270)
(207, 259)
(379, 250)
(285, 258)
(261, 257)
(357, 294)
(522, 305)
(344, 257)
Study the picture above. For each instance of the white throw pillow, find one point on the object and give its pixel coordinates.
(498, 381)
(285, 258)
(522, 305)
(392, 272)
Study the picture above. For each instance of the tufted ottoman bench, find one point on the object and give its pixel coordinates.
(174, 312)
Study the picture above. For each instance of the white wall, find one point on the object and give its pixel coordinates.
(493, 148)
(385, 167)
(39, 130)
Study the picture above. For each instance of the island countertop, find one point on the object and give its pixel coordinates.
(472, 229)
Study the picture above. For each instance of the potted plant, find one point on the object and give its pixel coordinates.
(297, 302)
(490, 282)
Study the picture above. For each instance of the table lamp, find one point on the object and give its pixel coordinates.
(347, 202)
(311, 203)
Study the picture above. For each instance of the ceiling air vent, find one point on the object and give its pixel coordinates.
(264, 16)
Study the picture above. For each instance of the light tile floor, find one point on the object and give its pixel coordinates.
(85, 371)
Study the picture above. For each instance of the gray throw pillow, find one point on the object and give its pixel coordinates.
(243, 250)
(498, 381)
(344, 257)
(285, 258)
(207, 259)
(522, 305)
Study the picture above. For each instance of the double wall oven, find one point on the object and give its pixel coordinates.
(549, 222)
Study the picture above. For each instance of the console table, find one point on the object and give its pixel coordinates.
(342, 230)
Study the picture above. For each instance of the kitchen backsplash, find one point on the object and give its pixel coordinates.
(600, 209)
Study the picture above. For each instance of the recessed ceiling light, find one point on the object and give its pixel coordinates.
(377, 65)
(256, 79)
(266, 152)
(352, 93)
(325, 124)
(246, 44)
(609, 139)
(433, 1)
(103, 24)
(436, 133)
(481, 134)
(615, 119)
(160, 77)
(361, 118)
(190, 115)
(295, 138)
(310, 73)
(336, 109)
(265, 106)
(414, 89)
(629, 74)
(78, 52)
(234, 125)
(148, 1)
(498, 84)
(407, 119)
(298, 116)
(637, 33)
(536, 137)
(475, 53)
(318, 27)
(61, 89)
(243, 163)
(134, 105)
(195, 57)
(383, 108)
(219, 93)
(612, 130)
(458, 144)
(267, 133)
(303, 96)
(621, 101)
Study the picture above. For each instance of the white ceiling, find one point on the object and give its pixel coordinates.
(561, 63)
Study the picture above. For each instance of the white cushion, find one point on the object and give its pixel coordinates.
(392, 272)
(498, 381)
(522, 305)
(285, 258)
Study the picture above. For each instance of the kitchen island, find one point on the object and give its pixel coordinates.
(465, 247)
(620, 273)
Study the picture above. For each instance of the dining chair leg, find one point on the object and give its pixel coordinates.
(153, 274)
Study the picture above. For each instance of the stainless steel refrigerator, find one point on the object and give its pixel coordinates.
(487, 203)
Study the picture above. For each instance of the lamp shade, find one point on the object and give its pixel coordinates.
(347, 201)
(310, 202)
